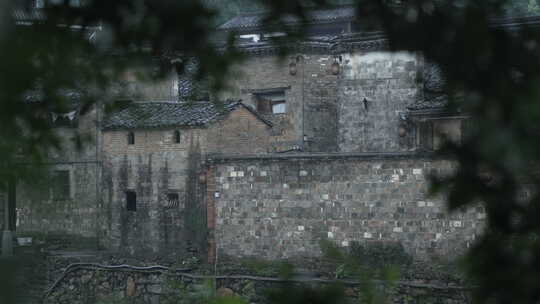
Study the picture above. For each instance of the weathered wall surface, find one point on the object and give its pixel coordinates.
(278, 209)
(156, 285)
(38, 211)
(388, 82)
(154, 167)
(3, 196)
(136, 85)
(329, 109)
(76, 214)
(240, 133)
(320, 89)
(311, 98)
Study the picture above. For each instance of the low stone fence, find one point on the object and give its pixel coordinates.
(83, 283)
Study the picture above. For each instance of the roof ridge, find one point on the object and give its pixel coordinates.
(308, 9)
(169, 102)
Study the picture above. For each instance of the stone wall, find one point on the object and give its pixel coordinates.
(321, 103)
(154, 167)
(330, 109)
(153, 285)
(76, 214)
(3, 196)
(388, 83)
(240, 133)
(311, 98)
(281, 207)
(38, 211)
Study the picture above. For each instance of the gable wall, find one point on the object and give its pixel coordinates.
(389, 83)
(156, 166)
(240, 133)
(311, 98)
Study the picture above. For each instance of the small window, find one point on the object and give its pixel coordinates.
(131, 138)
(271, 103)
(173, 200)
(278, 108)
(69, 119)
(61, 185)
(131, 201)
(177, 137)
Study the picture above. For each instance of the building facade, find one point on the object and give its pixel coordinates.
(332, 143)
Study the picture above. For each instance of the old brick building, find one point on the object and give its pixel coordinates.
(333, 143)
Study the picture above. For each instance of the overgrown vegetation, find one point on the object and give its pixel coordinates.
(497, 70)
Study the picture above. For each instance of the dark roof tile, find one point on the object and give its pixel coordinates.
(435, 103)
(148, 115)
(314, 16)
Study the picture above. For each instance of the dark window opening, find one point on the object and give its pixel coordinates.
(177, 137)
(69, 120)
(131, 201)
(173, 200)
(271, 103)
(131, 138)
(61, 185)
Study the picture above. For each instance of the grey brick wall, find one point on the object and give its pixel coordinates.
(156, 165)
(77, 215)
(388, 82)
(154, 226)
(279, 209)
(311, 96)
(3, 196)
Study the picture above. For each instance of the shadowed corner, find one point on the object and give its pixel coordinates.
(8, 273)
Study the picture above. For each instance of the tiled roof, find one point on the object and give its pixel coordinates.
(314, 16)
(434, 97)
(435, 103)
(148, 115)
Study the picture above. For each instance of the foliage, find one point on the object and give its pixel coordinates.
(9, 270)
(522, 7)
(380, 254)
(113, 299)
(293, 294)
(495, 69)
(202, 294)
(492, 75)
(267, 268)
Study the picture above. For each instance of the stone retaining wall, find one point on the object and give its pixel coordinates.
(281, 207)
(91, 284)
